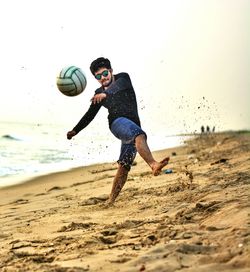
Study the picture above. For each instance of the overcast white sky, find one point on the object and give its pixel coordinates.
(189, 60)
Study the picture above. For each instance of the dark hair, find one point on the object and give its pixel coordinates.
(99, 63)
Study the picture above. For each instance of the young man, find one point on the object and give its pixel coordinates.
(117, 95)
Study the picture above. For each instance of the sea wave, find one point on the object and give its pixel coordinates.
(14, 137)
(28, 149)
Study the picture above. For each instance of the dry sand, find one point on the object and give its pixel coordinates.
(194, 219)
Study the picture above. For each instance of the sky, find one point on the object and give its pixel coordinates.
(189, 60)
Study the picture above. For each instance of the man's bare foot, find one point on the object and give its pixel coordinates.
(156, 168)
(111, 200)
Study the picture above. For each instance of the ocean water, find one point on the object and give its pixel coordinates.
(28, 150)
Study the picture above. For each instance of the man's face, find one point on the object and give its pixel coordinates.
(104, 76)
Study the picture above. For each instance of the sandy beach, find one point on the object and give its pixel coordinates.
(193, 219)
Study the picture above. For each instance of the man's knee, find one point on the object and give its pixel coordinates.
(141, 137)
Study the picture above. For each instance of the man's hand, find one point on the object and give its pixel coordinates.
(71, 134)
(98, 98)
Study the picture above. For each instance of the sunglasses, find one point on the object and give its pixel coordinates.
(104, 73)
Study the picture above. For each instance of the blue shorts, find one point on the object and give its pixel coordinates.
(126, 130)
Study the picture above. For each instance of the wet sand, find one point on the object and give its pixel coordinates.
(193, 219)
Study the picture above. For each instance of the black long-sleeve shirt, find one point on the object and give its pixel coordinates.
(120, 102)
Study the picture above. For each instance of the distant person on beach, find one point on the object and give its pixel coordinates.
(202, 129)
(117, 95)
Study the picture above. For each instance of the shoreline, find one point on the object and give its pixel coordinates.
(80, 173)
(193, 219)
(24, 178)
(39, 178)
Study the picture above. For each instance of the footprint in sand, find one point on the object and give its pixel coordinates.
(94, 200)
(55, 188)
(20, 201)
(4, 236)
(75, 226)
(195, 249)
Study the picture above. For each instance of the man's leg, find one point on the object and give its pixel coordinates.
(144, 151)
(118, 182)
